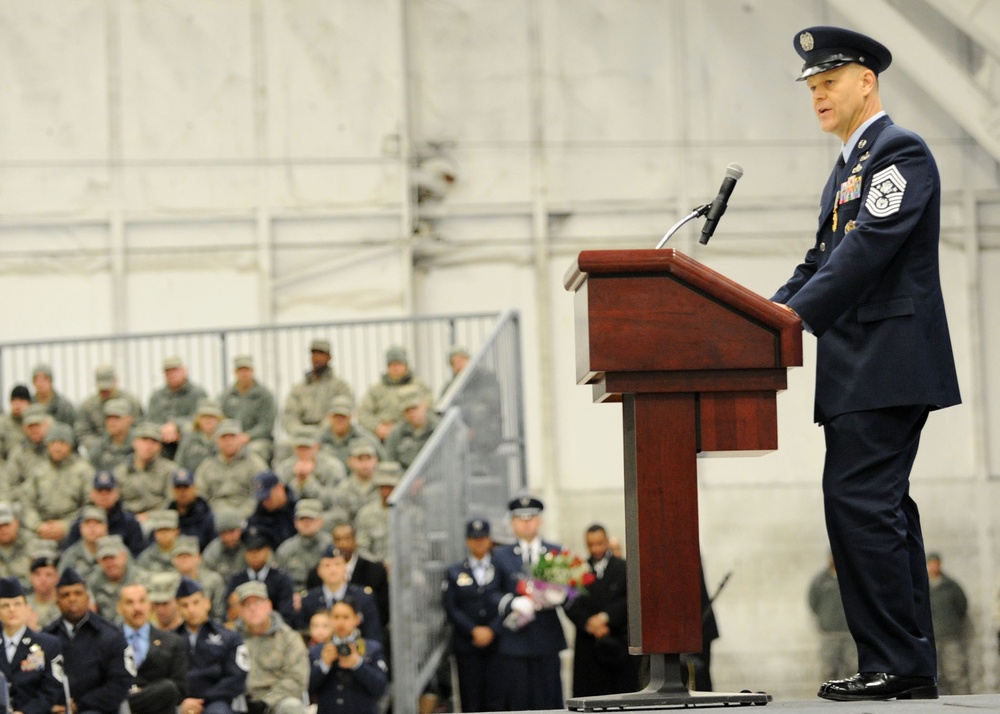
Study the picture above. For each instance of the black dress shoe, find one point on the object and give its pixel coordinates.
(866, 686)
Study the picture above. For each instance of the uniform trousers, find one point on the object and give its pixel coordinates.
(875, 537)
(532, 682)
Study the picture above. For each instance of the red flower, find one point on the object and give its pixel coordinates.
(588, 578)
(522, 587)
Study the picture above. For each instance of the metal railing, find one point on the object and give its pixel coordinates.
(281, 354)
(470, 467)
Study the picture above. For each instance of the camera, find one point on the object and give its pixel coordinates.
(344, 645)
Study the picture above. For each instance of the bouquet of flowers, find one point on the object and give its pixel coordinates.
(554, 580)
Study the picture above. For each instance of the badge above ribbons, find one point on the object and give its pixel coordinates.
(886, 193)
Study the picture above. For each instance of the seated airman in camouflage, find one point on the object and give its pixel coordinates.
(199, 443)
(43, 577)
(144, 480)
(309, 472)
(341, 429)
(114, 445)
(158, 557)
(29, 450)
(56, 489)
(380, 409)
(225, 554)
(252, 405)
(90, 417)
(173, 405)
(82, 555)
(57, 406)
(357, 489)
(372, 524)
(307, 403)
(298, 555)
(16, 545)
(11, 423)
(226, 479)
(279, 660)
(187, 561)
(163, 596)
(410, 435)
(116, 570)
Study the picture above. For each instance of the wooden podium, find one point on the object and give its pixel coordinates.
(696, 361)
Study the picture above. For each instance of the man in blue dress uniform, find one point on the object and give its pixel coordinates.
(98, 662)
(529, 653)
(28, 656)
(869, 290)
(471, 599)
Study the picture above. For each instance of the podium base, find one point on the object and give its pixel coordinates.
(665, 689)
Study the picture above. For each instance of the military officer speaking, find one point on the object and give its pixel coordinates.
(870, 291)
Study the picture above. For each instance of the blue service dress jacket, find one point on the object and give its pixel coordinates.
(33, 687)
(469, 605)
(100, 670)
(869, 289)
(217, 664)
(543, 635)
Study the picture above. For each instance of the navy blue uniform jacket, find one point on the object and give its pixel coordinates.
(33, 688)
(869, 289)
(367, 606)
(541, 637)
(218, 664)
(470, 605)
(344, 690)
(99, 670)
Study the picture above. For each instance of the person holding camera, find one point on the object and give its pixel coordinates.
(348, 673)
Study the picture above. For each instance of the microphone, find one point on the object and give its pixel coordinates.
(733, 174)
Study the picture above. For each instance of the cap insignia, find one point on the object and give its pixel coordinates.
(806, 41)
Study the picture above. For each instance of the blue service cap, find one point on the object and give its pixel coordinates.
(824, 48)
(188, 586)
(332, 552)
(105, 481)
(477, 528)
(183, 477)
(525, 507)
(263, 483)
(11, 587)
(69, 577)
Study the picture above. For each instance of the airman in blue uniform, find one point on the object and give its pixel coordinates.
(870, 291)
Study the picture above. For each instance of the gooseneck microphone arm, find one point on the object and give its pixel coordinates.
(696, 213)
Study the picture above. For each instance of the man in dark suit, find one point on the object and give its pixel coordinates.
(601, 662)
(99, 669)
(28, 656)
(160, 656)
(531, 639)
(870, 290)
(471, 598)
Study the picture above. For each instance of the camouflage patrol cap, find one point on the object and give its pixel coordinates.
(362, 446)
(242, 362)
(42, 368)
(117, 408)
(93, 513)
(387, 473)
(342, 405)
(396, 353)
(166, 519)
(162, 587)
(147, 430)
(172, 362)
(186, 545)
(209, 407)
(309, 508)
(110, 545)
(228, 427)
(410, 396)
(254, 588)
(305, 437)
(320, 345)
(7, 514)
(227, 519)
(104, 376)
(34, 414)
(59, 432)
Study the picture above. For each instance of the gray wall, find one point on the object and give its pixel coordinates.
(184, 164)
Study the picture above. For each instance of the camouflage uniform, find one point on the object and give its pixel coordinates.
(48, 612)
(224, 561)
(105, 455)
(89, 425)
(55, 492)
(15, 559)
(59, 408)
(307, 403)
(230, 484)
(340, 446)
(106, 592)
(320, 484)
(298, 555)
(255, 410)
(195, 447)
(382, 403)
(215, 590)
(350, 496)
(405, 442)
(11, 434)
(166, 405)
(279, 666)
(80, 559)
(24, 455)
(155, 560)
(146, 490)
(371, 529)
